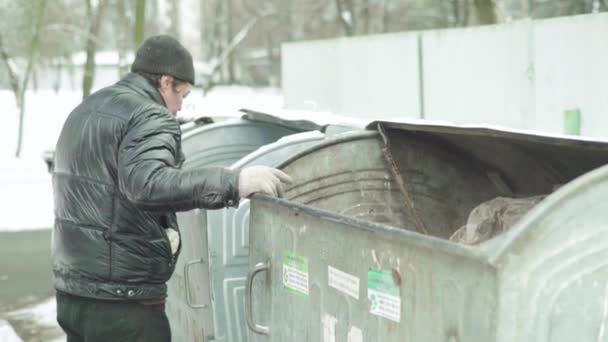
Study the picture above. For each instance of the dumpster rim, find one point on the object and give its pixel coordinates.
(390, 232)
(233, 123)
(330, 141)
(513, 135)
(276, 145)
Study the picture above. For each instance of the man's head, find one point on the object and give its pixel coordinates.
(164, 57)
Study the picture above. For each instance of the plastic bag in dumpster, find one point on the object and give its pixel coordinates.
(494, 217)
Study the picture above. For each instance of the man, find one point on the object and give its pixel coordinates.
(118, 183)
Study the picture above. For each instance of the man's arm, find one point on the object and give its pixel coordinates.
(149, 177)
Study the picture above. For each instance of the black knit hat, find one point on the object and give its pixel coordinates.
(164, 55)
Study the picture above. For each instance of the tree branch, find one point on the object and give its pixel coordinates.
(14, 79)
(34, 44)
(347, 26)
(91, 47)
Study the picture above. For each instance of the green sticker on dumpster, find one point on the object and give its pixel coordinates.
(295, 272)
(384, 295)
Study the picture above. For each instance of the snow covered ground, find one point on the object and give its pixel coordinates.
(42, 316)
(26, 200)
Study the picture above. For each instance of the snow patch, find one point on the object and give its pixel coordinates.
(43, 313)
(7, 333)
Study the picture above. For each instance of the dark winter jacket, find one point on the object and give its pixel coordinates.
(117, 184)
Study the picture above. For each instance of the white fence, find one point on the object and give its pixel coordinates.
(523, 75)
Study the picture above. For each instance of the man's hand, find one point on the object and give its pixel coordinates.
(262, 179)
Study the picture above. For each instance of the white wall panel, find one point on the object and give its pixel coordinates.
(478, 75)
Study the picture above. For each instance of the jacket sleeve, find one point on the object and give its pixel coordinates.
(150, 177)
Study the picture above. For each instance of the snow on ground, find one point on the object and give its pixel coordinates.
(27, 199)
(43, 313)
(7, 333)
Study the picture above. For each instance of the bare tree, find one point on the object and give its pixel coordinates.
(123, 38)
(140, 23)
(346, 16)
(460, 12)
(174, 17)
(366, 16)
(18, 82)
(228, 36)
(385, 16)
(95, 15)
(486, 11)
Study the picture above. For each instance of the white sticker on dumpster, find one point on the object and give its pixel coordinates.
(343, 282)
(295, 272)
(354, 335)
(329, 328)
(384, 295)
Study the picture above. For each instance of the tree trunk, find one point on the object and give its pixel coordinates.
(174, 17)
(346, 25)
(219, 35)
(139, 31)
(366, 16)
(19, 87)
(122, 40)
(231, 70)
(486, 11)
(13, 77)
(385, 16)
(285, 12)
(91, 46)
(455, 13)
(16, 88)
(527, 7)
(466, 8)
(21, 107)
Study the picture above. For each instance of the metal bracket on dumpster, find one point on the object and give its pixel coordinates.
(187, 284)
(409, 203)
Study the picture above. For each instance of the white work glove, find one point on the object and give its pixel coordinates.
(264, 179)
(173, 236)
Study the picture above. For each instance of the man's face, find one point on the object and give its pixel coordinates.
(173, 93)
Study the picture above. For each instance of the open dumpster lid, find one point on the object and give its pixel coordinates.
(444, 127)
(523, 162)
(302, 120)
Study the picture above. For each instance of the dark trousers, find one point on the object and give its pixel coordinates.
(90, 320)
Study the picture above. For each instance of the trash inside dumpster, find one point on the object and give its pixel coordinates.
(353, 254)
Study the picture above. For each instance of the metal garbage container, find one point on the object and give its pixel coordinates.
(342, 257)
(211, 144)
(206, 292)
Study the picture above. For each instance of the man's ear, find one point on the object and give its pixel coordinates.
(164, 82)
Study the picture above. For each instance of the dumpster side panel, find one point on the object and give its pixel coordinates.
(188, 323)
(229, 250)
(212, 145)
(332, 279)
(554, 267)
